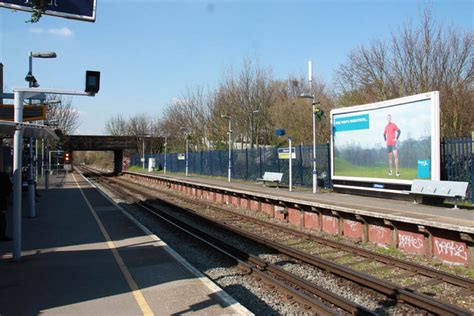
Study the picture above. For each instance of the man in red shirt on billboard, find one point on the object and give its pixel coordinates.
(391, 135)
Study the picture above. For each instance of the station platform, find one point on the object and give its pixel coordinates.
(83, 256)
(460, 220)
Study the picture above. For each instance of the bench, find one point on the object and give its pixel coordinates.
(274, 177)
(443, 189)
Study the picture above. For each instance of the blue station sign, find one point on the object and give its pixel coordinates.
(284, 153)
(71, 9)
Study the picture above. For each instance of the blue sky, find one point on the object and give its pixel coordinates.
(149, 52)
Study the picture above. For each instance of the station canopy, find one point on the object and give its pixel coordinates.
(29, 130)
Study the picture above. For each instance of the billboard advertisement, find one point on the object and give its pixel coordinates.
(84, 10)
(393, 141)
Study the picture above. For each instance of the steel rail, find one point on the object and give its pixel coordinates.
(406, 265)
(401, 294)
(259, 266)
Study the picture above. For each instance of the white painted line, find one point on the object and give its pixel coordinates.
(240, 309)
(137, 293)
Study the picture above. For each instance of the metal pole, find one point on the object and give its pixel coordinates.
(1, 83)
(46, 175)
(290, 170)
(166, 144)
(310, 77)
(187, 142)
(315, 184)
(36, 158)
(30, 66)
(49, 160)
(42, 157)
(17, 155)
(31, 179)
(229, 174)
(251, 132)
(31, 182)
(143, 148)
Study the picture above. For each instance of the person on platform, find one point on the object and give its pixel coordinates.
(5, 191)
(391, 135)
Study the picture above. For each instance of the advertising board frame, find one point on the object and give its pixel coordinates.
(378, 183)
(14, 6)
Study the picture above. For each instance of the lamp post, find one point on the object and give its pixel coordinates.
(251, 131)
(33, 83)
(229, 132)
(166, 145)
(52, 123)
(280, 132)
(43, 143)
(186, 157)
(143, 149)
(313, 98)
(290, 165)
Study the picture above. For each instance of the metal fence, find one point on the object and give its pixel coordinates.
(457, 162)
(250, 164)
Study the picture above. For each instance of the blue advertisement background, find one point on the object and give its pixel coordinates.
(360, 150)
(72, 7)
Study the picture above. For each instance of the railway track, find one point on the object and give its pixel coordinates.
(287, 241)
(314, 298)
(359, 259)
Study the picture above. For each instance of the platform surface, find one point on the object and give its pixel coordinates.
(442, 217)
(82, 256)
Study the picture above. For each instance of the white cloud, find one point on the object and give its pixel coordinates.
(36, 30)
(64, 32)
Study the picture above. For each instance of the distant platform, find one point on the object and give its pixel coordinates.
(439, 232)
(436, 216)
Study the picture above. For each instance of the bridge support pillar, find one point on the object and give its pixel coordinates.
(118, 158)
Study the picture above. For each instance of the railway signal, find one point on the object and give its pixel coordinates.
(67, 157)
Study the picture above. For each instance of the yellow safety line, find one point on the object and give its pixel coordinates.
(141, 301)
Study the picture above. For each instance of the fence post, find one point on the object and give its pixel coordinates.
(261, 163)
(169, 161)
(220, 163)
(278, 160)
(232, 169)
(209, 159)
(448, 158)
(329, 170)
(442, 160)
(246, 164)
(472, 167)
(456, 155)
(301, 164)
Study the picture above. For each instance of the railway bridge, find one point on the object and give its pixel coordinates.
(117, 144)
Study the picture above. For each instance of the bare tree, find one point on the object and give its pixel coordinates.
(139, 126)
(238, 95)
(66, 116)
(417, 59)
(117, 126)
(294, 114)
(188, 114)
